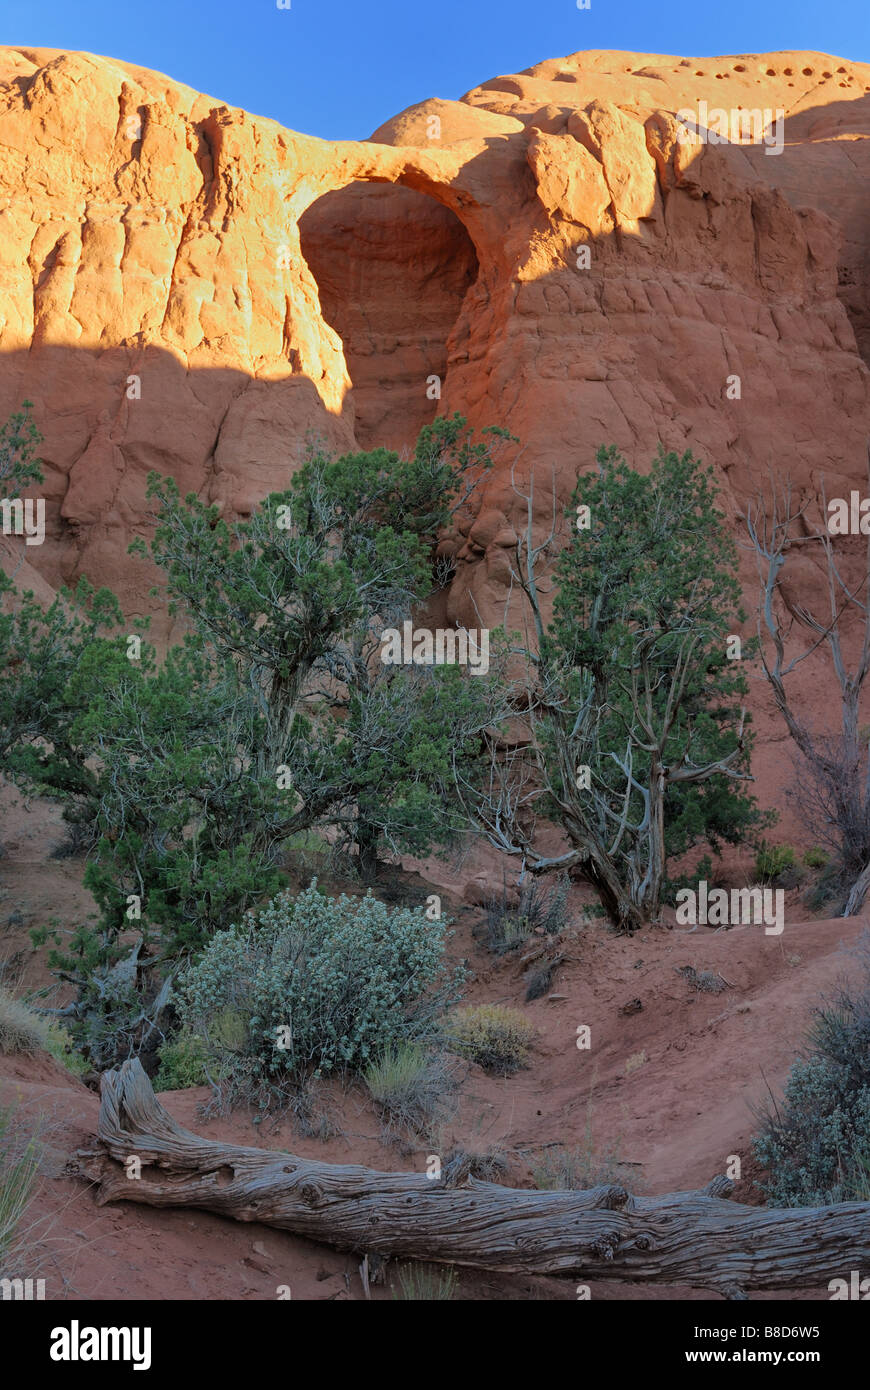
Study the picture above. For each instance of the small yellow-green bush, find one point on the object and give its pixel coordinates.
(24, 1030)
(182, 1064)
(495, 1036)
(21, 1030)
(411, 1084)
(59, 1043)
(772, 861)
(816, 857)
(423, 1284)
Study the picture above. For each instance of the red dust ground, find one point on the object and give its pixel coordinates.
(669, 1086)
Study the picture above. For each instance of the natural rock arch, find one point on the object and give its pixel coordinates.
(393, 267)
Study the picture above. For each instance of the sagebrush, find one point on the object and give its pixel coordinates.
(815, 1144)
(312, 985)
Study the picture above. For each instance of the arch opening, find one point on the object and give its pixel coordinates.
(393, 267)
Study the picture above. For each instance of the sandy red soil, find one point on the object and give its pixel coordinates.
(671, 1086)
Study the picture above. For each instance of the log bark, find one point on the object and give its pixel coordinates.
(698, 1239)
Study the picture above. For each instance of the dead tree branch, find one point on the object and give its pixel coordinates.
(694, 1238)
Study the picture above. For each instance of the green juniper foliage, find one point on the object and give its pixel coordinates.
(42, 651)
(631, 681)
(19, 440)
(653, 583)
(187, 775)
(292, 604)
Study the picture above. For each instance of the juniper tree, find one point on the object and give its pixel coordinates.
(638, 747)
(274, 715)
(291, 605)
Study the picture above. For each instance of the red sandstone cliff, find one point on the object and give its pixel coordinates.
(258, 287)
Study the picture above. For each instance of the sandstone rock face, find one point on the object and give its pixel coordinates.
(393, 268)
(190, 288)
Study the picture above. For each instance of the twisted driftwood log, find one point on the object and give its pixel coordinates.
(693, 1238)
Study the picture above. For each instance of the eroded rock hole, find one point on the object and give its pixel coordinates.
(393, 267)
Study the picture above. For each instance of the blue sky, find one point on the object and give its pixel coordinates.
(339, 68)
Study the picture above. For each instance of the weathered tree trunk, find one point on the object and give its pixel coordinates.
(693, 1238)
(625, 914)
(367, 844)
(858, 893)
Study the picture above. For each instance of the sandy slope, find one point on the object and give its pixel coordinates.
(671, 1084)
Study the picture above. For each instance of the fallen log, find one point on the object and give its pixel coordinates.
(693, 1238)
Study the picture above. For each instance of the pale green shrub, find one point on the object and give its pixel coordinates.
(315, 984)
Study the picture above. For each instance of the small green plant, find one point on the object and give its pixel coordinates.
(21, 1030)
(60, 1044)
(411, 1085)
(229, 1029)
(537, 910)
(514, 930)
(182, 1064)
(494, 1036)
(19, 1167)
(816, 857)
(578, 1167)
(704, 869)
(427, 1284)
(772, 862)
(594, 912)
(829, 890)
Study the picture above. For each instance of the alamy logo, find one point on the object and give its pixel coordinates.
(76, 1343)
(850, 518)
(18, 518)
(739, 126)
(855, 1288)
(741, 907)
(445, 646)
(22, 1289)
